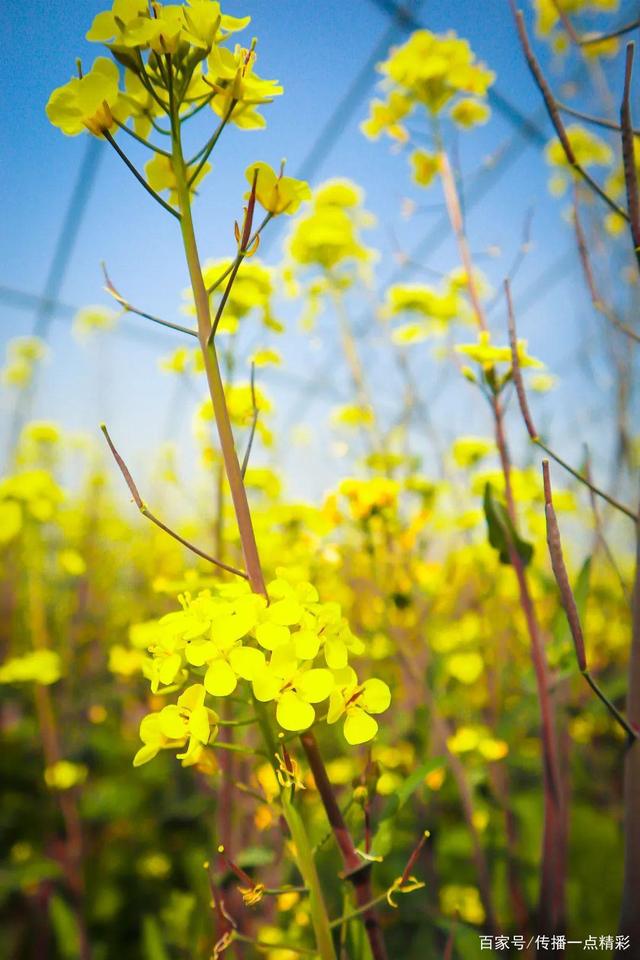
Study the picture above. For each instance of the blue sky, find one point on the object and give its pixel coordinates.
(315, 49)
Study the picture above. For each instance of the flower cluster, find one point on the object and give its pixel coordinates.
(589, 149)
(206, 71)
(23, 356)
(293, 651)
(432, 71)
(488, 357)
(329, 234)
(548, 12)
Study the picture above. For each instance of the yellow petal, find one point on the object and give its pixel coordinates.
(266, 686)
(192, 697)
(359, 727)
(172, 724)
(233, 626)
(293, 713)
(376, 696)
(336, 706)
(169, 668)
(335, 653)
(315, 685)
(220, 680)
(146, 753)
(272, 635)
(199, 724)
(247, 662)
(197, 654)
(150, 731)
(307, 644)
(286, 612)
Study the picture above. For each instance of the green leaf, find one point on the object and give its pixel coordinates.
(153, 943)
(383, 839)
(254, 857)
(65, 928)
(502, 531)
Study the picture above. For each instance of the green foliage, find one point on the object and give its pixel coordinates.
(503, 536)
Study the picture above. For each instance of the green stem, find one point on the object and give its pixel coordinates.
(303, 850)
(203, 155)
(141, 180)
(212, 367)
(354, 914)
(145, 143)
(307, 867)
(613, 710)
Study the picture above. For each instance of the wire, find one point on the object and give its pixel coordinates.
(67, 237)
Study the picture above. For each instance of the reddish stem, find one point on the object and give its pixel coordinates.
(357, 871)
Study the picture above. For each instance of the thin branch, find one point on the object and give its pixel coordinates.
(457, 223)
(195, 110)
(517, 373)
(225, 273)
(145, 143)
(325, 839)
(354, 914)
(129, 308)
(585, 260)
(266, 945)
(567, 598)
(628, 156)
(225, 296)
(156, 126)
(518, 260)
(566, 23)
(148, 84)
(599, 531)
(554, 114)
(589, 118)
(208, 147)
(139, 177)
(533, 433)
(144, 510)
(579, 476)
(254, 422)
(356, 870)
(243, 250)
(600, 38)
(448, 950)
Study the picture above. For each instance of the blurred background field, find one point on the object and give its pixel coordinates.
(368, 477)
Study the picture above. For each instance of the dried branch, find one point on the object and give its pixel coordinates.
(523, 249)
(457, 223)
(629, 913)
(567, 598)
(129, 308)
(144, 510)
(533, 433)
(589, 118)
(356, 870)
(628, 156)
(599, 531)
(517, 373)
(566, 22)
(619, 32)
(554, 114)
(448, 950)
(585, 260)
